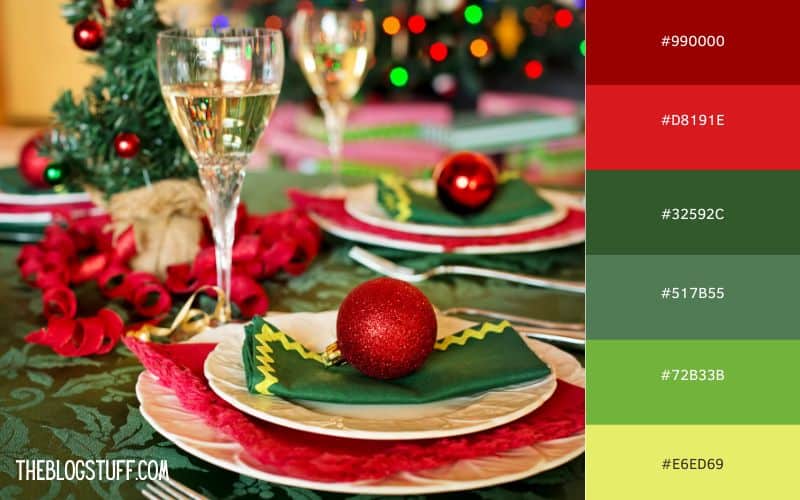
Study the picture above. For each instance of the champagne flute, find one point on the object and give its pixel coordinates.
(334, 48)
(221, 87)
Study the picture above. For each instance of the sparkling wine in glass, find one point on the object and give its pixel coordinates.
(221, 87)
(334, 49)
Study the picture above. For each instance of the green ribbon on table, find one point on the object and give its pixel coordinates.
(474, 360)
(515, 199)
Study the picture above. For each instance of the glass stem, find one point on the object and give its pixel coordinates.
(223, 185)
(335, 122)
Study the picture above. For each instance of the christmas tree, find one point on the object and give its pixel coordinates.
(118, 136)
(452, 49)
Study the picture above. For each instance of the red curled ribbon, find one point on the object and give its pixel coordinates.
(76, 251)
(59, 302)
(249, 296)
(80, 337)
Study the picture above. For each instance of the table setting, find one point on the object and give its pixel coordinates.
(402, 331)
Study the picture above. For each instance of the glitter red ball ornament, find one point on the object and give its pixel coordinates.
(127, 144)
(88, 34)
(386, 328)
(31, 164)
(465, 182)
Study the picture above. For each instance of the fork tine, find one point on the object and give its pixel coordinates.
(172, 490)
(379, 264)
(150, 491)
(149, 496)
(184, 489)
(164, 492)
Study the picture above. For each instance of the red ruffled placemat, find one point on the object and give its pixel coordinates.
(323, 458)
(333, 209)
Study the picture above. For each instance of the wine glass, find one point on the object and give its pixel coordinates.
(221, 87)
(334, 48)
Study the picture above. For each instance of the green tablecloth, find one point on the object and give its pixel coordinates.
(71, 409)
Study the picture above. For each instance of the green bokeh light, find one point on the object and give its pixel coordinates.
(582, 48)
(54, 174)
(473, 14)
(398, 76)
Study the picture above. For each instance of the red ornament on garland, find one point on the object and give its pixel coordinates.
(32, 165)
(88, 34)
(386, 328)
(465, 182)
(127, 144)
(123, 4)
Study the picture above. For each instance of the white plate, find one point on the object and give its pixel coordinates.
(536, 245)
(161, 408)
(362, 203)
(451, 417)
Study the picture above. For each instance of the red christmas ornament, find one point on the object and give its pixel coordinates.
(465, 182)
(88, 34)
(127, 144)
(386, 328)
(31, 164)
(123, 4)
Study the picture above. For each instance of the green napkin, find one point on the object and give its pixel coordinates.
(513, 200)
(474, 360)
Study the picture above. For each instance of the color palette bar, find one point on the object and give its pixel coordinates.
(693, 259)
(628, 461)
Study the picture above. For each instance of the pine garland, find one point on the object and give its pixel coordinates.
(126, 97)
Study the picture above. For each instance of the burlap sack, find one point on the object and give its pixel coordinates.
(166, 219)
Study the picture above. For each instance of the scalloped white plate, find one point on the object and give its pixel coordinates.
(161, 408)
(567, 238)
(450, 417)
(361, 202)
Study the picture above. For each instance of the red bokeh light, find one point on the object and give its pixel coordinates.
(273, 22)
(563, 18)
(438, 51)
(416, 24)
(534, 69)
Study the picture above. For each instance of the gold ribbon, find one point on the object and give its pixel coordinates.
(189, 321)
(333, 356)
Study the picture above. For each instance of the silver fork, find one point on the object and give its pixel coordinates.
(389, 268)
(516, 320)
(572, 334)
(169, 489)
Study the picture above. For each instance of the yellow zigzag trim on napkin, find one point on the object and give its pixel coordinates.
(471, 333)
(401, 201)
(264, 350)
(508, 175)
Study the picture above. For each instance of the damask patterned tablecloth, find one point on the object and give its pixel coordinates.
(85, 408)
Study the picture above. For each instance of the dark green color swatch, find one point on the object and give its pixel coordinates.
(624, 212)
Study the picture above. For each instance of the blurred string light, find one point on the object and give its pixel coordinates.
(220, 22)
(534, 69)
(479, 48)
(448, 6)
(473, 14)
(416, 24)
(582, 47)
(508, 32)
(391, 25)
(444, 84)
(563, 18)
(438, 51)
(273, 22)
(539, 18)
(398, 76)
